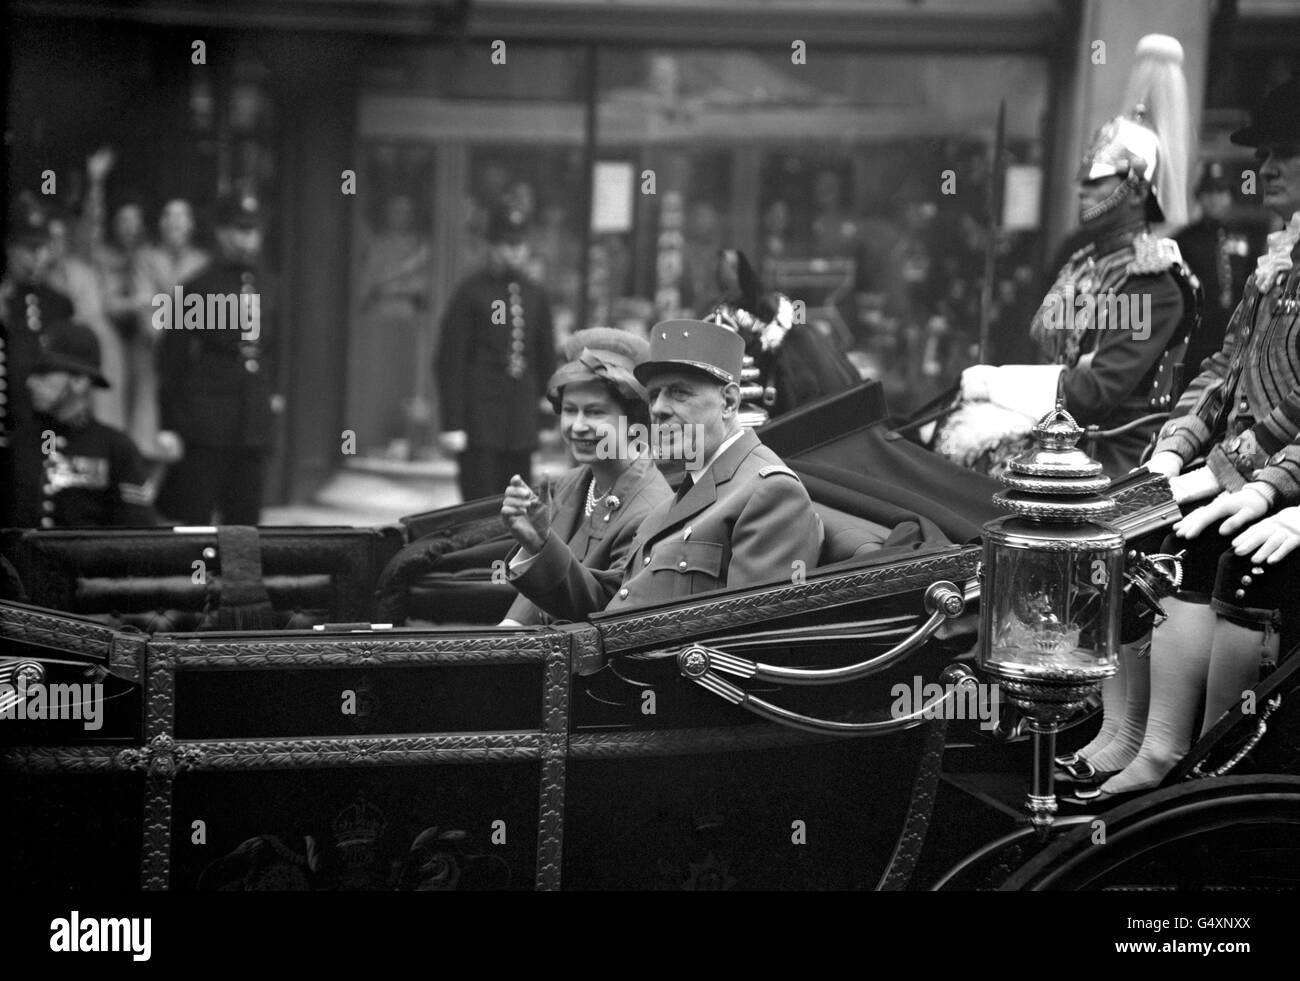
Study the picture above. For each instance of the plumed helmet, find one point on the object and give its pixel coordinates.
(1148, 145)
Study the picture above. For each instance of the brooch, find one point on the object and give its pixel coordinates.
(613, 503)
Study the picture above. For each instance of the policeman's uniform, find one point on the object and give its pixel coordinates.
(93, 475)
(496, 354)
(215, 388)
(83, 473)
(1221, 257)
(28, 308)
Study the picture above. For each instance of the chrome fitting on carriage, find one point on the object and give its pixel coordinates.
(706, 665)
(1052, 575)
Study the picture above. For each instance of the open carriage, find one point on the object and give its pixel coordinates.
(824, 732)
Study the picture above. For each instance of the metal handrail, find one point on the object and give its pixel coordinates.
(943, 601)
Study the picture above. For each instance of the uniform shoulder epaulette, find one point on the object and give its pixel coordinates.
(772, 468)
(1154, 255)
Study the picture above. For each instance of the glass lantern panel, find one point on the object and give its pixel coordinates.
(1053, 612)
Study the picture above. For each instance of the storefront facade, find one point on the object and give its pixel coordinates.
(843, 146)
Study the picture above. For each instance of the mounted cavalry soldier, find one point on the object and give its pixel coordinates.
(1114, 326)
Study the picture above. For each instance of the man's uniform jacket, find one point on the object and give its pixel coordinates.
(591, 551)
(1243, 410)
(745, 522)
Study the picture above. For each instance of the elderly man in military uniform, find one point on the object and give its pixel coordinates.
(215, 386)
(740, 516)
(495, 357)
(88, 473)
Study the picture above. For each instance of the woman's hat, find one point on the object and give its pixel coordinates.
(600, 354)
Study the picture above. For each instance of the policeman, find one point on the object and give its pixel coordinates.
(1221, 257)
(27, 307)
(90, 474)
(215, 389)
(496, 354)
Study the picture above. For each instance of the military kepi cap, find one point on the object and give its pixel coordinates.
(708, 347)
(1276, 121)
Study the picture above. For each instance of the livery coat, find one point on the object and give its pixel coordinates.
(1242, 412)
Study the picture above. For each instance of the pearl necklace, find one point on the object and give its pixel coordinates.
(592, 499)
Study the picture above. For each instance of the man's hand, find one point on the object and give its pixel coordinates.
(1166, 464)
(453, 441)
(1272, 539)
(100, 163)
(526, 516)
(1237, 509)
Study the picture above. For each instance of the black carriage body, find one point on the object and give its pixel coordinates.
(583, 756)
(573, 756)
(283, 759)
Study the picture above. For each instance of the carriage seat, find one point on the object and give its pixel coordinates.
(847, 536)
(147, 578)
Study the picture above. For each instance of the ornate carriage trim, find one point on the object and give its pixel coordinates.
(634, 631)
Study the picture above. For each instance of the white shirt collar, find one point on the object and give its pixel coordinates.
(695, 475)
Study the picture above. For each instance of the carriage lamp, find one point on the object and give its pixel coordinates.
(1051, 582)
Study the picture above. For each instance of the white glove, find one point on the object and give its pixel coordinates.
(1272, 539)
(976, 381)
(1029, 389)
(1165, 463)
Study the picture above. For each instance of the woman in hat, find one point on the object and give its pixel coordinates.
(594, 509)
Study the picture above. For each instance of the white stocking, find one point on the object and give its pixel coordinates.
(1180, 660)
(1234, 667)
(1120, 750)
